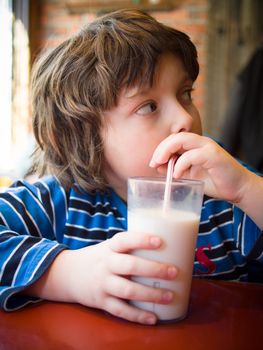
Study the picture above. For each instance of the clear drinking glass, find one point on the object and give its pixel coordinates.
(177, 224)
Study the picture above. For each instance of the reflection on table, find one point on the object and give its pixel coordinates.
(222, 315)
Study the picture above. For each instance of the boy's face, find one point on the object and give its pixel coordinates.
(145, 117)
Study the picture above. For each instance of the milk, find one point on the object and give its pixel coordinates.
(178, 231)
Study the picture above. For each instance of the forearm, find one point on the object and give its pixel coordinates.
(54, 284)
(252, 199)
(96, 276)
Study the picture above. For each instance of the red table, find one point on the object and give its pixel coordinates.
(222, 315)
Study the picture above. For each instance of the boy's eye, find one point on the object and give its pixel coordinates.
(187, 96)
(147, 108)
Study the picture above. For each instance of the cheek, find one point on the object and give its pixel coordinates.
(128, 149)
(129, 153)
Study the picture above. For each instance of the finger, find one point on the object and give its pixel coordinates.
(175, 143)
(208, 156)
(124, 242)
(162, 169)
(196, 157)
(128, 265)
(128, 312)
(126, 289)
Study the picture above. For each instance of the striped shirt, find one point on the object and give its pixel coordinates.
(38, 221)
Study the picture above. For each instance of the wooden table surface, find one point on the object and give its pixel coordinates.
(222, 315)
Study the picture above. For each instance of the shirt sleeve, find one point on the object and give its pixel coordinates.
(251, 239)
(32, 219)
(248, 236)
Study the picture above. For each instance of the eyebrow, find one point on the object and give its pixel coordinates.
(135, 91)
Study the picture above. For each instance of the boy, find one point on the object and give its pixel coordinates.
(112, 102)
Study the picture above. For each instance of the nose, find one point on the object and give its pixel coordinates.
(181, 119)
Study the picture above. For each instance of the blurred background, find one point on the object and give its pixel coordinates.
(228, 92)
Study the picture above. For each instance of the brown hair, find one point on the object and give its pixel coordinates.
(75, 82)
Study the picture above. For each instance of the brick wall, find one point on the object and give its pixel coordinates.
(190, 16)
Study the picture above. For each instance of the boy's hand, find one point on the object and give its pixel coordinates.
(100, 273)
(201, 158)
(225, 178)
(98, 276)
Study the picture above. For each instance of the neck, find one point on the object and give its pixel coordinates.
(119, 185)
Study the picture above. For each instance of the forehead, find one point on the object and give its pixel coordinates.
(168, 66)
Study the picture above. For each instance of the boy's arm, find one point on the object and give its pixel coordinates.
(23, 259)
(201, 158)
(28, 242)
(96, 276)
(251, 201)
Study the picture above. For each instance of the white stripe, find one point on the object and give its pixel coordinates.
(38, 203)
(28, 213)
(13, 233)
(89, 202)
(260, 256)
(221, 213)
(35, 199)
(214, 228)
(238, 237)
(238, 279)
(220, 273)
(83, 239)
(14, 189)
(95, 214)
(65, 199)
(40, 261)
(220, 258)
(51, 199)
(52, 204)
(4, 220)
(22, 260)
(212, 200)
(221, 244)
(94, 228)
(17, 213)
(38, 193)
(20, 306)
(89, 214)
(216, 215)
(11, 255)
(243, 235)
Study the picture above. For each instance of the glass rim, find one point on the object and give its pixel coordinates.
(162, 179)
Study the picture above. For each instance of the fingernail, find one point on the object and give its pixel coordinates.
(171, 272)
(155, 241)
(150, 320)
(167, 296)
(152, 164)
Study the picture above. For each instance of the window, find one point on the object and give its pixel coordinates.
(6, 84)
(15, 138)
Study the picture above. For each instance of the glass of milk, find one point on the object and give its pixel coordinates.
(177, 224)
